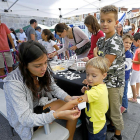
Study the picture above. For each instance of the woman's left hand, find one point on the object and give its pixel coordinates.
(73, 48)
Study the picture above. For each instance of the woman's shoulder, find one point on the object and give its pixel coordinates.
(14, 75)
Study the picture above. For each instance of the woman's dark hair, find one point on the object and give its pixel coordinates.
(49, 34)
(13, 31)
(92, 21)
(28, 52)
(128, 22)
(60, 27)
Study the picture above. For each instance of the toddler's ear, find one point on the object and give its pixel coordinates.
(104, 75)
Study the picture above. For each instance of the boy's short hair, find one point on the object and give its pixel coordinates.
(137, 36)
(99, 62)
(110, 9)
(127, 36)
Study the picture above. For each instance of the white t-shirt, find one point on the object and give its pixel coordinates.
(22, 36)
(14, 39)
(48, 45)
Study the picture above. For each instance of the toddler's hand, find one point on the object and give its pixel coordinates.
(84, 88)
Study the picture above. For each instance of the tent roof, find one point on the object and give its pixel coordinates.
(50, 8)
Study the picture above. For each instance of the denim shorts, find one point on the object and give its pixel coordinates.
(99, 136)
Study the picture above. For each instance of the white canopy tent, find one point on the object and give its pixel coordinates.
(50, 8)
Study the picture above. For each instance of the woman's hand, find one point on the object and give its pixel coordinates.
(85, 59)
(95, 52)
(73, 48)
(68, 114)
(52, 54)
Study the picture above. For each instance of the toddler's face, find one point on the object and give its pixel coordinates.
(127, 43)
(108, 22)
(94, 76)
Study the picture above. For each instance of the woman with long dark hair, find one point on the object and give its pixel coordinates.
(94, 28)
(29, 91)
(74, 35)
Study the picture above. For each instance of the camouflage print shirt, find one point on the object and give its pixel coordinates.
(113, 46)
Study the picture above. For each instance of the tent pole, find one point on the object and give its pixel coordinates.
(6, 10)
(60, 15)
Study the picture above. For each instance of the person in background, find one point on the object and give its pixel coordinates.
(119, 30)
(30, 90)
(22, 36)
(38, 32)
(135, 76)
(47, 42)
(94, 28)
(111, 47)
(127, 28)
(30, 32)
(138, 30)
(4, 32)
(133, 29)
(127, 41)
(65, 32)
(14, 37)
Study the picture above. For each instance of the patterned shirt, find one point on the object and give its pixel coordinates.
(113, 46)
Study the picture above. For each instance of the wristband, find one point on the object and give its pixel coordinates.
(56, 115)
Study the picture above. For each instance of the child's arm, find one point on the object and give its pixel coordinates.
(137, 62)
(56, 47)
(71, 104)
(111, 58)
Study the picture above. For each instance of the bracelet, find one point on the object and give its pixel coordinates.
(56, 115)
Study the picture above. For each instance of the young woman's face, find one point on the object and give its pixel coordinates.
(89, 28)
(119, 28)
(39, 66)
(94, 76)
(63, 34)
(127, 43)
(43, 36)
(126, 22)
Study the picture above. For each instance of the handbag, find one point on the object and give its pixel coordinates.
(82, 49)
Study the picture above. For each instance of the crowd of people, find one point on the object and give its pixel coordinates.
(112, 53)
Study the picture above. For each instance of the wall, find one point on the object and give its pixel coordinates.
(16, 21)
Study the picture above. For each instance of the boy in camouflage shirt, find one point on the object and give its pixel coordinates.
(111, 47)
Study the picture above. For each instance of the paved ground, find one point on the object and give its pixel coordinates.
(131, 122)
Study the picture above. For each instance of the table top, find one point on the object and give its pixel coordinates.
(74, 81)
(72, 87)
